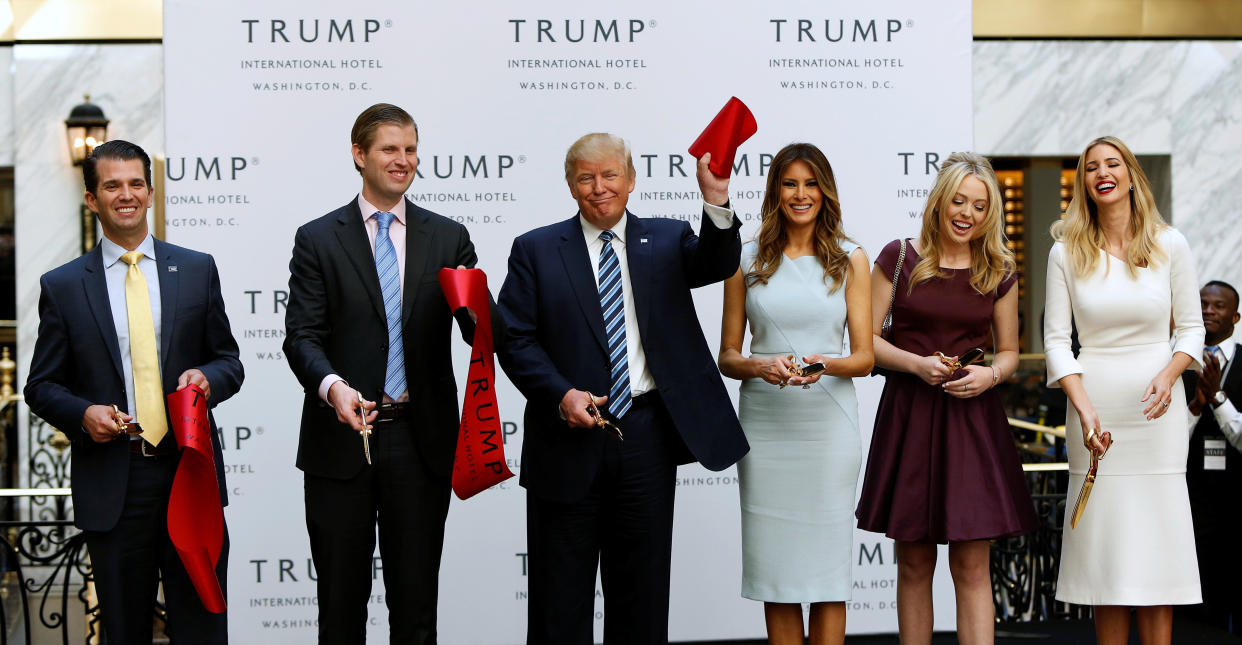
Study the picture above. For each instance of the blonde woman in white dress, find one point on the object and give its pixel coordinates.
(1121, 274)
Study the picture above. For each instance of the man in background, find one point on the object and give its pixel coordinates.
(1214, 465)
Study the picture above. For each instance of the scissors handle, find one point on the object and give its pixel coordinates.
(366, 429)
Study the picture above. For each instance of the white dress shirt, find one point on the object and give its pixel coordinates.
(115, 270)
(396, 233)
(1227, 415)
(641, 380)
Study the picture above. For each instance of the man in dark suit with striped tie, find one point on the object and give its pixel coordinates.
(600, 314)
(367, 321)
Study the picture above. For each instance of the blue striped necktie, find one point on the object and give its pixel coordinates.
(612, 302)
(390, 286)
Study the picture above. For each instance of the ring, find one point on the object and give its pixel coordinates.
(1166, 404)
(966, 388)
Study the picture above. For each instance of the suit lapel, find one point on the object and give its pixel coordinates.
(169, 278)
(96, 287)
(1229, 382)
(581, 277)
(418, 257)
(352, 236)
(638, 245)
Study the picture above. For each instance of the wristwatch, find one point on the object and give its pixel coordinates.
(1219, 399)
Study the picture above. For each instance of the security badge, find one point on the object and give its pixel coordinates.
(1213, 454)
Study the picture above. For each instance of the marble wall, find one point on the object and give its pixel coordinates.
(6, 106)
(47, 81)
(1176, 98)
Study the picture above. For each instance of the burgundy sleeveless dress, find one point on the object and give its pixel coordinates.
(941, 469)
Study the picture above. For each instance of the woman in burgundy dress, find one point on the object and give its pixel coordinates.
(942, 466)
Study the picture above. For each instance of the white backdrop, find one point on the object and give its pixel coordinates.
(260, 99)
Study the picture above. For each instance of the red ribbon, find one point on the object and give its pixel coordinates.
(480, 461)
(733, 125)
(195, 516)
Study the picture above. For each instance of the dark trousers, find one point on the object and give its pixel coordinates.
(129, 561)
(409, 504)
(624, 525)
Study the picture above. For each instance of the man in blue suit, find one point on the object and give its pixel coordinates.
(600, 314)
(127, 323)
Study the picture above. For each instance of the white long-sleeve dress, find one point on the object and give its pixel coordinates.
(1135, 543)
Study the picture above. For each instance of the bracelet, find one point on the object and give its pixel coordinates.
(995, 375)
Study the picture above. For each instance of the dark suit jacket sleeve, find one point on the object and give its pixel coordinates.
(52, 367)
(521, 355)
(306, 318)
(713, 255)
(466, 257)
(223, 369)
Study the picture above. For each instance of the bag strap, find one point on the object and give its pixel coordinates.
(892, 295)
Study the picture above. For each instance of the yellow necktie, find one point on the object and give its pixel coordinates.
(143, 357)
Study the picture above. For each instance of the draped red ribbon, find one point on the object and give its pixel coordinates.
(480, 461)
(195, 516)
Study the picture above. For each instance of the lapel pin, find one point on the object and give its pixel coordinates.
(172, 268)
(642, 240)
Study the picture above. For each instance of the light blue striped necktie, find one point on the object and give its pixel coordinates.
(612, 302)
(390, 286)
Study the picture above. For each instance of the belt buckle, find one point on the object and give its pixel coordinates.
(146, 443)
(383, 412)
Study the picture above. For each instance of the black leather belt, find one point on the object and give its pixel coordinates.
(645, 399)
(392, 412)
(141, 447)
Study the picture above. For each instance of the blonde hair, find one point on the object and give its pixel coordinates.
(827, 235)
(1081, 233)
(990, 262)
(597, 146)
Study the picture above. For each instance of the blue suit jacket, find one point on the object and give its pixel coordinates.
(556, 342)
(77, 363)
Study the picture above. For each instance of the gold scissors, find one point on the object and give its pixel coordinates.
(604, 424)
(1080, 506)
(972, 356)
(810, 369)
(366, 429)
(122, 426)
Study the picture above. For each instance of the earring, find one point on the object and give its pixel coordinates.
(1131, 187)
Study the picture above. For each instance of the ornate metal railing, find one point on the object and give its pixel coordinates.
(1024, 568)
(46, 573)
(46, 583)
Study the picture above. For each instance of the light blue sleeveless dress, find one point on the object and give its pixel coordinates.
(798, 481)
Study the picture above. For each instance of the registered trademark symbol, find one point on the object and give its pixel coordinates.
(521, 158)
(909, 23)
(258, 430)
(254, 161)
(651, 24)
(388, 23)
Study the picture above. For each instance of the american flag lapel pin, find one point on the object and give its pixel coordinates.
(642, 240)
(172, 268)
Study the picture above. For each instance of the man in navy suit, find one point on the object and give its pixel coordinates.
(84, 363)
(600, 314)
